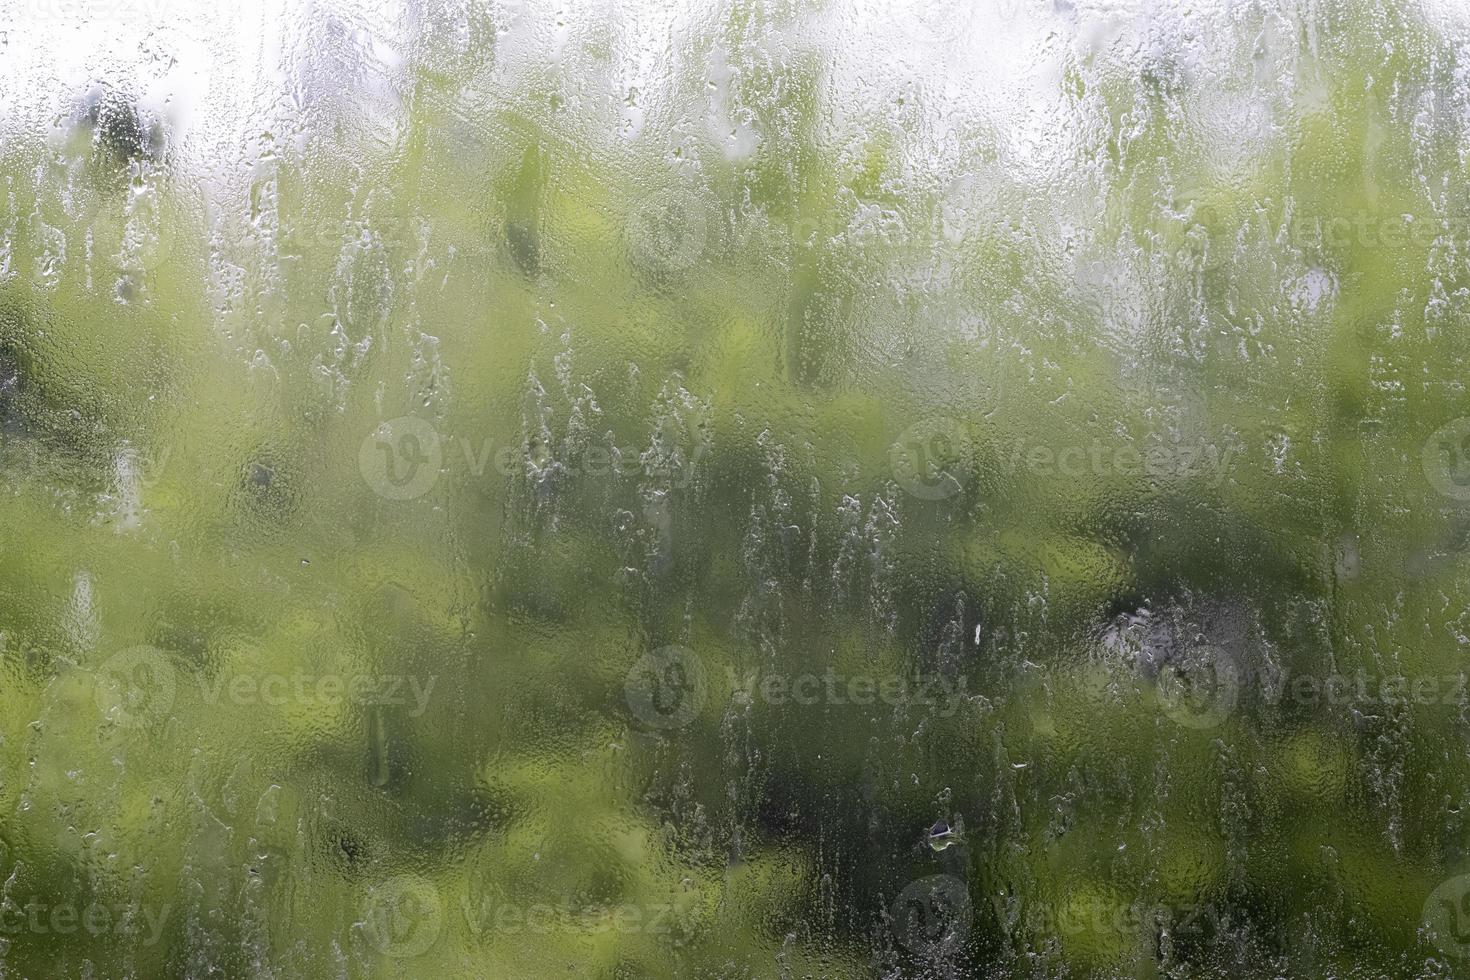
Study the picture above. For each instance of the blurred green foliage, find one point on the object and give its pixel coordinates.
(777, 407)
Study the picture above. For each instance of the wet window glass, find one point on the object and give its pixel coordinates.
(734, 488)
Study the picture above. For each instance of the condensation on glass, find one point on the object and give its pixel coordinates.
(750, 489)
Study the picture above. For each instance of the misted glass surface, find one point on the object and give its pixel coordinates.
(734, 488)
